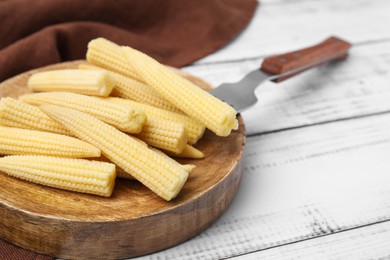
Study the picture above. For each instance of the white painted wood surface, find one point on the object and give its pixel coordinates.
(317, 170)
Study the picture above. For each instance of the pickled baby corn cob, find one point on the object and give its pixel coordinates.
(108, 55)
(164, 134)
(123, 174)
(64, 173)
(120, 173)
(189, 152)
(133, 89)
(187, 167)
(194, 128)
(162, 176)
(125, 118)
(14, 113)
(89, 82)
(16, 141)
(218, 116)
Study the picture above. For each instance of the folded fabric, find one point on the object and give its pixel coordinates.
(40, 32)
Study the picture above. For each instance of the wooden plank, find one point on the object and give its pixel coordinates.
(301, 184)
(367, 242)
(354, 87)
(288, 25)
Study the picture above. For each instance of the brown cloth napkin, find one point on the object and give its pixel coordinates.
(175, 32)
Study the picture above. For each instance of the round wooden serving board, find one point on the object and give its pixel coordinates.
(133, 221)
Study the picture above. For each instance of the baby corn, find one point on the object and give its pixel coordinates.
(14, 113)
(64, 173)
(188, 152)
(164, 134)
(108, 55)
(133, 89)
(16, 141)
(162, 176)
(122, 174)
(194, 128)
(89, 82)
(125, 118)
(218, 116)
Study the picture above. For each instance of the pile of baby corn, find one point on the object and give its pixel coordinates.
(122, 114)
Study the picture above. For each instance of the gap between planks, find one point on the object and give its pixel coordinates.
(346, 244)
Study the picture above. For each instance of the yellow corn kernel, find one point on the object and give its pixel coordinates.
(217, 115)
(125, 118)
(188, 152)
(14, 113)
(164, 134)
(108, 55)
(194, 128)
(162, 176)
(88, 82)
(16, 141)
(133, 89)
(64, 173)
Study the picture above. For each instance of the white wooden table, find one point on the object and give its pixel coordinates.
(317, 164)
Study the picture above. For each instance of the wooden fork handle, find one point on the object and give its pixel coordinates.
(331, 49)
